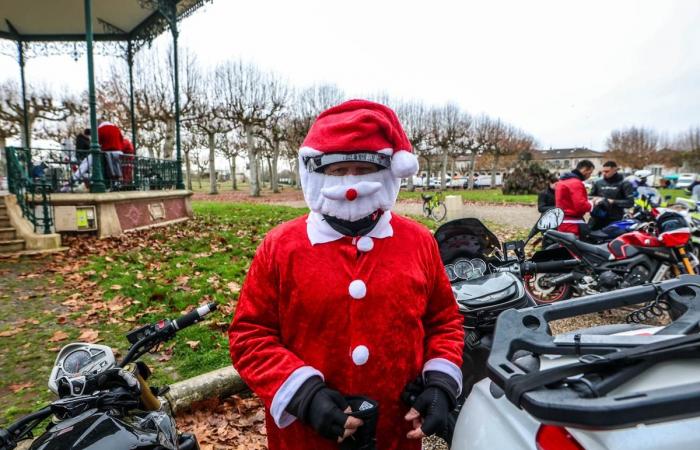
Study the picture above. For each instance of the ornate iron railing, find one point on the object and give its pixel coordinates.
(34, 174)
(32, 194)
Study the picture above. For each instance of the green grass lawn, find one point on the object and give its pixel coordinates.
(475, 195)
(138, 279)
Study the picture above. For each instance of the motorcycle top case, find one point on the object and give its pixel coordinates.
(480, 301)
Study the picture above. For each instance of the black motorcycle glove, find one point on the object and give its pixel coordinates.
(322, 408)
(436, 401)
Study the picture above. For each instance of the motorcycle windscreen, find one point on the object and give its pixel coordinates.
(466, 238)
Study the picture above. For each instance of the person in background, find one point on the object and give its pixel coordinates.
(128, 161)
(611, 195)
(112, 145)
(82, 144)
(570, 195)
(545, 199)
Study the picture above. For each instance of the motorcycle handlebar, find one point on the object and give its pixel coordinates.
(194, 316)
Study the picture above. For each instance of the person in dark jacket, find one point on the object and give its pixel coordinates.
(545, 199)
(570, 195)
(612, 194)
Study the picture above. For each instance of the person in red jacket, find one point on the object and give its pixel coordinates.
(570, 195)
(350, 301)
(128, 161)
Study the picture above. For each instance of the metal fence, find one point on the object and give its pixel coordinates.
(72, 170)
(34, 174)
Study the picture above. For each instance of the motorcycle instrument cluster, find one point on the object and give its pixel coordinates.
(78, 359)
(465, 269)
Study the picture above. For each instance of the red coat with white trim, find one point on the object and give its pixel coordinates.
(367, 317)
(570, 195)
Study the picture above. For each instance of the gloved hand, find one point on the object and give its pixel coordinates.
(431, 409)
(323, 409)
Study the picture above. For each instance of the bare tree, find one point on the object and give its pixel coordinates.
(247, 101)
(688, 143)
(273, 133)
(414, 118)
(633, 146)
(231, 146)
(446, 130)
(42, 104)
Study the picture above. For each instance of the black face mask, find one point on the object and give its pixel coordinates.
(356, 228)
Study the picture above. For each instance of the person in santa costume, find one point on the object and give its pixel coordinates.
(350, 300)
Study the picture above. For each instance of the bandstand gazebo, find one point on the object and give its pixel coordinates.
(155, 192)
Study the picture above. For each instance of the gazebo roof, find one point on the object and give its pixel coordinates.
(64, 20)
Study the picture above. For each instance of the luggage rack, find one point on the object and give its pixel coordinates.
(580, 391)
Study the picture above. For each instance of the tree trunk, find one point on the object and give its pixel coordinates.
(199, 178)
(213, 189)
(169, 142)
(297, 175)
(253, 157)
(471, 170)
(426, 184)
(443, 175)
(274, 182)
(232, 163)
(496, 156)
(188, 170)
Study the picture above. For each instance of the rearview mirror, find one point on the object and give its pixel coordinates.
(550, 219)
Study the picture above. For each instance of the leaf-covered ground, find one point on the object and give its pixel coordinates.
(100, 289)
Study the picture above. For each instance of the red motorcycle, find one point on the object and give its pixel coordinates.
(655, 252)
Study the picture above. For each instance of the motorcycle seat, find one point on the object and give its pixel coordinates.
(600, 251)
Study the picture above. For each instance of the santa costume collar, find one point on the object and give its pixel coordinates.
(320, 232)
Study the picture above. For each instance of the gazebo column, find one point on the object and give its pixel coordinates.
(176, 87)
(97, 183)
(26, 136)
(132, 109)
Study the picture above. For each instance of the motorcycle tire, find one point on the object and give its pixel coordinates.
(541, 297)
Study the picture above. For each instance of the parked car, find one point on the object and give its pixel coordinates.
(685, 180)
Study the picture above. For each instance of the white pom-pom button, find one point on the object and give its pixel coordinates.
(357, 289)
(360, 355)
(365, 244)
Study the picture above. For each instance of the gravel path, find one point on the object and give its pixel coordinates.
(515, 215)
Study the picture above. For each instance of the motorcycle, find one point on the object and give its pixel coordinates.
(654, 252)
(104, 404)
(611, 387)
(485, 279)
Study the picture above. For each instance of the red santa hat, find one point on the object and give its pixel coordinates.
(359, 130)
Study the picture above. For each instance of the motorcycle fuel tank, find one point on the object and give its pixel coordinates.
(97, 430)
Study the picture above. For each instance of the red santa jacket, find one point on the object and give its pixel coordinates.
(367, 314)
(570, 195)
(110, 137)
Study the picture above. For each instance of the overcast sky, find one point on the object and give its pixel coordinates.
(567, 72)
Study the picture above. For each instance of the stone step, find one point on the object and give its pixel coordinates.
(5, 222)
(12, 245)
(7, 234)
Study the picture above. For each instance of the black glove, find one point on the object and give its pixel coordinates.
(436, 401)
(322, 408)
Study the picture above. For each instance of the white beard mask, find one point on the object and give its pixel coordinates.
(328, 194)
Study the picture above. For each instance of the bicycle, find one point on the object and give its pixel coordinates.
(434, 206)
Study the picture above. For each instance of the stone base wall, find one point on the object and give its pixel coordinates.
(119, 212)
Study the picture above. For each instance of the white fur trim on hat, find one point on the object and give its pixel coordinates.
(404, 164)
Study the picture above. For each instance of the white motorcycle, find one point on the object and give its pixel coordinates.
(626, 386)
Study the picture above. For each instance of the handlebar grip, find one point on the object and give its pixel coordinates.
(194, 316)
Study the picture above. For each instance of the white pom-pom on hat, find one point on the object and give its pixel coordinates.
(404, 164)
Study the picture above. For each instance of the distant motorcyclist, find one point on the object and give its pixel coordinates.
(611, 194)
(570, 195)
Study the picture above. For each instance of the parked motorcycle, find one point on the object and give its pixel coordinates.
(657, 251)
(485, 278)
(613, 387)
(104, 404)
